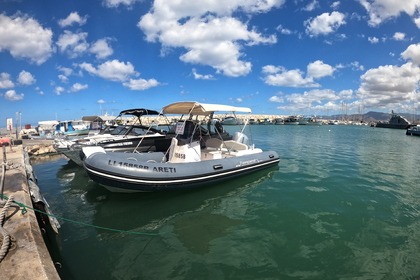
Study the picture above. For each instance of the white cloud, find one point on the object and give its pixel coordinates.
(382, 10)
(315, 99)
(399, 36)
(373, 40)
(207, 31)
(276, 99)
(417, 22)
(355, 65)
(5, 81)
(116, 3)
(311, 6)
(65, 70)
(78, 87)
(25, 38)
(284, 30)
(335, 5)
(271, 69)
(117, 71)
(412, 53)
(11, 95)
(101, 49)
(73, 44)
(319, 69)
(198, 76)
(280, 76)
(101, 101)
(113, 70)
(72, 18)
(63, 78)
(141, 84)
(389, 86)
(325, 23)
(39, 91)
(59, 90)
(26, 78)
(287, 78)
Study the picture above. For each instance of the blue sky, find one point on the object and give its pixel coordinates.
(66, 59)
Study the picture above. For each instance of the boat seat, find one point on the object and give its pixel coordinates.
(184, 153)
(233, 145)
(214, 143)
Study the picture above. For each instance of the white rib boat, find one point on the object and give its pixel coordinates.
(194, 159)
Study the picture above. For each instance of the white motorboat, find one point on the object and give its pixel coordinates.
(414, 130)
(127, 134)
(194, 158)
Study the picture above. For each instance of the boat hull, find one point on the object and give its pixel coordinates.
(119, 172)
(394, 126)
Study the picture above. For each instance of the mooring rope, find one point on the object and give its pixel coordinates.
(25, 207)
(3, 175)
(6, 237)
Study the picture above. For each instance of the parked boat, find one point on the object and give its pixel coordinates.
(291, 120)
(126, 133)
(309, 121)
(72, 128)
(252, 121)
(278, 121)
(396, 121)
(265, 121)
(194, 159)
(414, 130)
(303, 121)
(230, 120)
(45, 130)
(98, 123)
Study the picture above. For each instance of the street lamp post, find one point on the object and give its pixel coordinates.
(17, 116)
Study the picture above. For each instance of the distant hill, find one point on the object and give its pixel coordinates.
(379, 116)
(374, 117)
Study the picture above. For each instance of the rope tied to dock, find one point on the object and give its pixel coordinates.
(25, 207)
(6, 237)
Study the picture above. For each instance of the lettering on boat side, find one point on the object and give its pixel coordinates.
(165, 169)
(248, 162)
(130, 165)
(179, 155)
(120, 144)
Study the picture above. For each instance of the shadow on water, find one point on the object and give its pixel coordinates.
(150, 211)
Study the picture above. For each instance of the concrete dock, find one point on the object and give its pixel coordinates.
(26, 256)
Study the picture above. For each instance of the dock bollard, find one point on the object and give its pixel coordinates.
(4, 141)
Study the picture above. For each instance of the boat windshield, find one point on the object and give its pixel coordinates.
(120, 130)
(137, 130)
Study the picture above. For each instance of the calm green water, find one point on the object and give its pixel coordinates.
(344, 203)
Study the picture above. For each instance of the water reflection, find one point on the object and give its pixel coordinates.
(150, 211)
(202, 230)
